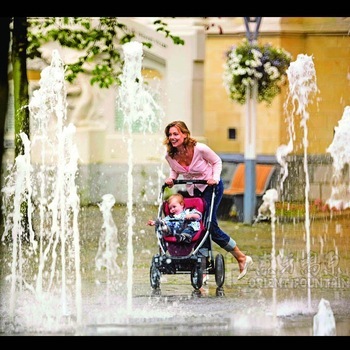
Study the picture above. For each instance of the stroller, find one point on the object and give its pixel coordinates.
(195, 258)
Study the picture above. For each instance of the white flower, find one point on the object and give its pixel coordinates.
(250, 63)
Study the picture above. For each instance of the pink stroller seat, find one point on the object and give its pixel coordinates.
(183, 249)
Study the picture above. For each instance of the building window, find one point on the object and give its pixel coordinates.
(232, 133)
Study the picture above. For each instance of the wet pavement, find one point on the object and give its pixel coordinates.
(263, 303)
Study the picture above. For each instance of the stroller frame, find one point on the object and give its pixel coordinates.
(195, 258)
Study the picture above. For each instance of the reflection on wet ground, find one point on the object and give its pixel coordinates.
(259, 304)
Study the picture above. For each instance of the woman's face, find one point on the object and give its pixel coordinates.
(176, 137)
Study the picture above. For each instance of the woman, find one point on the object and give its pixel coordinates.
(195, 160)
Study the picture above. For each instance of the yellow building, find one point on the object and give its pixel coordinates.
(326, 39)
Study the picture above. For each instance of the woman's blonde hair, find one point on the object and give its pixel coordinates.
(181, 126)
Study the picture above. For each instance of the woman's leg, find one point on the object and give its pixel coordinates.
(220, 237)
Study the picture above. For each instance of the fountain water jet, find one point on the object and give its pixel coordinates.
(50, 184)
(268, 210)
(108, 244)
(339, 150)
(324, 322)
(56, 234)
(141, 112)
(302, 87)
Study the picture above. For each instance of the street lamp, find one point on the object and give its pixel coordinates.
(252, 36)
(249, 202)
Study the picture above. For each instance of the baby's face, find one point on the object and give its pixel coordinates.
(175, 207)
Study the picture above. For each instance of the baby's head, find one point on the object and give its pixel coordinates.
(176, 203)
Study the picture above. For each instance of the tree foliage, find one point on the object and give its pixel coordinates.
(4, 88)
(20, 80)
(98, 38)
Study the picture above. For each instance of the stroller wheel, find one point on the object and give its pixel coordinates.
(220, 292)
(219, 270)
(154, 274)
(197, 275)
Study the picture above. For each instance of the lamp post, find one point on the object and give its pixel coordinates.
(249, 202)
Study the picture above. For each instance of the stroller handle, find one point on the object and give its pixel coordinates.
(187, 182)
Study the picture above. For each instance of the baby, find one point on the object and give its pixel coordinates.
(181, 223)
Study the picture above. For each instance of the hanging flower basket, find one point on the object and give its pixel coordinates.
(249, 62)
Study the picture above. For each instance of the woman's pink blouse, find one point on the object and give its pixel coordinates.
(205, 165)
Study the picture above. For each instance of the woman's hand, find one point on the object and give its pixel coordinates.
(169, 182)
(212, 182)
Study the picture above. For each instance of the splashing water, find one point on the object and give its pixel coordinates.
(140, 112)
(302, 88)
(340, 152)
(46, 271)
(53, 248)
(108, 244)
(106, 257)
(17, 190)
(324, 321)
(265, 211)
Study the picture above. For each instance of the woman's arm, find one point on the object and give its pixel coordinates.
(211, 157)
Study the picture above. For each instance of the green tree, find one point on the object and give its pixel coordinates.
(98, 39)
(20, 92)
(4, 85)
(20, 80)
